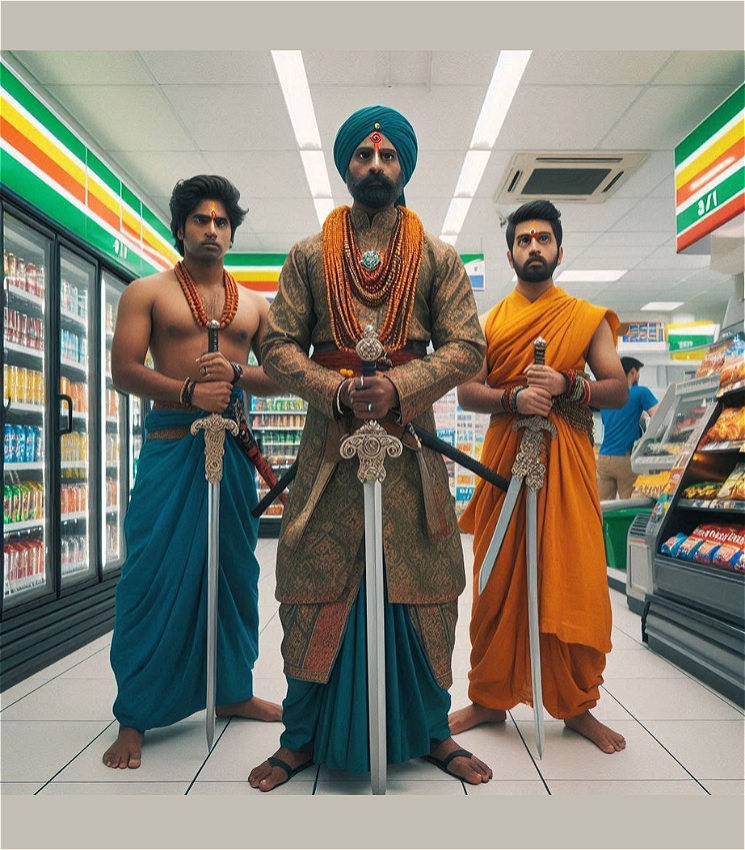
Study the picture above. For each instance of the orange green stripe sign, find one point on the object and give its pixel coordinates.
(710, 172)
(46, 164)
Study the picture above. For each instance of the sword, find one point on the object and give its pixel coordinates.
(527, 468)
(371, 443)
(214, 427)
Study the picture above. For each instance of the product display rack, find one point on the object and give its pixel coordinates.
(277, 424)
(695, 613)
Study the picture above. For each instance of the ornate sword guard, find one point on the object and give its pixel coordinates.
(370, 348)
(214, 427)
(371, 443)
(528, 465)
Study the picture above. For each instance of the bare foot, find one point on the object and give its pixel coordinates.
(474, 715)
(252, 709)
(126, 751)
(601, 735)
(468, 768)
(268, 776)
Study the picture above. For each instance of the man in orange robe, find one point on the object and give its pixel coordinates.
(574, 602)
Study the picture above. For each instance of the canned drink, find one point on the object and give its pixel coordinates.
(39, 444)
(25, 502)
(20, 454)
(12, 263)
(41, 281)
(31, 285)
(7, 503)
(15, 504)
(7, 444)
(20, 273)
(30, 444)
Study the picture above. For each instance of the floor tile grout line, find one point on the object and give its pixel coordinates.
(79, 753)
(655, 738)
(207, 757)
(530, 755)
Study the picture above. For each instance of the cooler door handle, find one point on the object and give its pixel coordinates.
(62, 429)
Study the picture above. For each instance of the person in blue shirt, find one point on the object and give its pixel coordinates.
(621, 429)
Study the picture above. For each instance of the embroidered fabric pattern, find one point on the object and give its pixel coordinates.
(194, 299)
(393, 281)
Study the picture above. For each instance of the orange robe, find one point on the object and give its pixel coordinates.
(574, 602)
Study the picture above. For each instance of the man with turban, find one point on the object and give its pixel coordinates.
(374, 265)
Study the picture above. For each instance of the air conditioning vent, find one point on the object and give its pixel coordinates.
(573, 176)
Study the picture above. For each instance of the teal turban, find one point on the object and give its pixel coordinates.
(393, 126)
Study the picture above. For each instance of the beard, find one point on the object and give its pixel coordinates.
(536, 269)
(375, 190)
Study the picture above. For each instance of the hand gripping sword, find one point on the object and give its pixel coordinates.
(529, 469)
(214, 427)
(371, 443)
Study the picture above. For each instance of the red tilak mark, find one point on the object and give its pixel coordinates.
(376, 139)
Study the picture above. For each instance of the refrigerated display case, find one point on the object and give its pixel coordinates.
(695, 612)
(277, 424)
(67, 445)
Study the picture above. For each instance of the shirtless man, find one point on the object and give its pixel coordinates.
(158, 650)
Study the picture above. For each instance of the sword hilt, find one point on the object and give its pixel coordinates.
(213, 326)
(369, 349)
(539, 351)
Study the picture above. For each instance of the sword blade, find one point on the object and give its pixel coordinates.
(375, 634)
(500, 530)
(213, 558)
(533, 625)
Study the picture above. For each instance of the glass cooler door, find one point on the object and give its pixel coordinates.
(27, 563)
(77, 280)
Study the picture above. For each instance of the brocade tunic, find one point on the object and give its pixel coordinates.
(319, 560)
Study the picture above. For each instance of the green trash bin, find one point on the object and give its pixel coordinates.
(616, 524)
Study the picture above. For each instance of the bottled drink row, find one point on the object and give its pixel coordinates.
(22, 385)
(23, 501)
(112, 493)
(23, 565)
(74, 447)
(74, 554)
(23, 444)
(24, 330)
(74, 498)
(77, 391)
(28, 277)
(278, 420)
(73, 301)
(280, 404)
(74, 347)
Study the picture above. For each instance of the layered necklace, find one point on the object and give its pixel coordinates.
(194, 299)
(371, 279)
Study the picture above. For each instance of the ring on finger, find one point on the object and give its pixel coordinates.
(369, 407)
(362, 381)
(204, 370)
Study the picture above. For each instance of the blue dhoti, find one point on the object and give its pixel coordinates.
(331, 719)
(158, 650)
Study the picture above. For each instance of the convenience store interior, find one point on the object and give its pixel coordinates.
(685, 737)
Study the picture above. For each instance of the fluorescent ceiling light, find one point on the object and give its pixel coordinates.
(504, 82)
(294, 84)
(295, 89)
(316, 173)
(471, 173)
(596, 276)
(323, 208)
(662, 305)
(455, 216)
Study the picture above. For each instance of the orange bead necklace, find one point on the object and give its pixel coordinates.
(194, 299)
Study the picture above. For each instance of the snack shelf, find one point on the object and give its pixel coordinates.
(695, 611)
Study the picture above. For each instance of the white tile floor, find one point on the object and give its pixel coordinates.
(683, 738)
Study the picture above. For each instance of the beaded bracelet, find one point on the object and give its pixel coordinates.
(578, 387)
(237, 372)
(509, 398)
(187, 393)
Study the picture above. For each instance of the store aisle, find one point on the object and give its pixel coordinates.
(682, 737)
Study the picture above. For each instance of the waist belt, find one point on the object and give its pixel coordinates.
(328, 355)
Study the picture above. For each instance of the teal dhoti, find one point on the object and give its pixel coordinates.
(331, 719)
(159, 645)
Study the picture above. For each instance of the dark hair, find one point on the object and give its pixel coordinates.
(630, 363)
(187, 194)
(543, 210)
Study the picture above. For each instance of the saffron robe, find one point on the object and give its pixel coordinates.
(574, 602)
(159, 645)
(319, 565)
